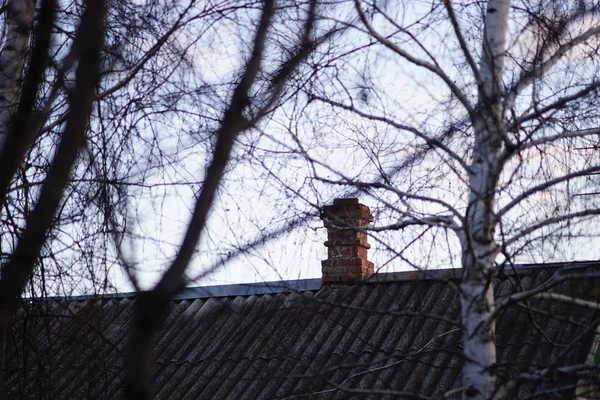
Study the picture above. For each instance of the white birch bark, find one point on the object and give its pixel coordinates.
(479, 246)
(18, 25)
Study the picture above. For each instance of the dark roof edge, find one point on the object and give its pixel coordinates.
(454, 273)
(300, 285)
(247, 289)
(202, 292)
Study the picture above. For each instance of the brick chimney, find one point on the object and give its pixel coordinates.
(346, 247)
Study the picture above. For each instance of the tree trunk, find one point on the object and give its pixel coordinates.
(18, 25)
(479, 246)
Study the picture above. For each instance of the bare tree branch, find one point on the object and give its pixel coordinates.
(435, 143)
(151, 305)
(407, 56)
(19, 269)
(527, 78)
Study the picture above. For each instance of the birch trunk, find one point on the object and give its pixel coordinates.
(18, 25)
(479, 246)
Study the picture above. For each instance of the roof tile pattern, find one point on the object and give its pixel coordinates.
(370, 340)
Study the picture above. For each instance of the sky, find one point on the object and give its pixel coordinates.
(268, 185)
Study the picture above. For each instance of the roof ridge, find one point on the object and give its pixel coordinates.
(313, 284)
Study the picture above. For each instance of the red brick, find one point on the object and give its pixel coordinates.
(347, 248)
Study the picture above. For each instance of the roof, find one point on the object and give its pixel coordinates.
(394, 335)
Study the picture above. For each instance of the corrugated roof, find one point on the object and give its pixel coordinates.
(335, 342)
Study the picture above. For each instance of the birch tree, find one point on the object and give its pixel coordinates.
(474, 126)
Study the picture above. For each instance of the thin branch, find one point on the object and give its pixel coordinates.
(463, 43)
(440, 221)
(555, 280)
(559, 136)
(403, 394)
(592, 305)
(543, 186)
(400, 193)
(558, 104)
(434, 143)
(551, 221)
(416, 61)
(528, 77)
(260, 241)
(149, 54)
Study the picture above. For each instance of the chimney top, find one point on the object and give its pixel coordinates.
(348, 200)
(346, 246)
